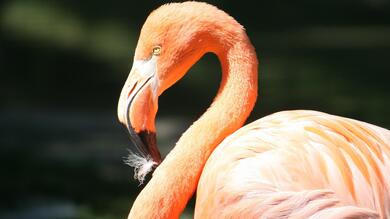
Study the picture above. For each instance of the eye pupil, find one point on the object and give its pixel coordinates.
(156, 50)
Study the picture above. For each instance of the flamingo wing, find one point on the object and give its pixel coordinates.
(298, 164)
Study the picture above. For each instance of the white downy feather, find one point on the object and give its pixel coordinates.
(142, 166)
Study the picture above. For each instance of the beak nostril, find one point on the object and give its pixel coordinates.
(132, 89)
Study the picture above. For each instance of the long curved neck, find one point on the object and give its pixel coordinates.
(175, 180)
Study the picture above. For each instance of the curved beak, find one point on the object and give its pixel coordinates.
(137, 109)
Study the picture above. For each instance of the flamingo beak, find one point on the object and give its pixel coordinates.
(137, 109)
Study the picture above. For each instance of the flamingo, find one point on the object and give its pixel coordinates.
(291, 164)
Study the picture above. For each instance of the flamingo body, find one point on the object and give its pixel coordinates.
(298, 164)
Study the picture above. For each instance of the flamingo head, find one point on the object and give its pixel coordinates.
(172, 39)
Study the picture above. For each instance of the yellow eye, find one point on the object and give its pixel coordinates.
(156, 50)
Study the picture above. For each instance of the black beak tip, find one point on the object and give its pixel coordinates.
(149, 140)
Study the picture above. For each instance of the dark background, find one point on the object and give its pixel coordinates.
(63, 64)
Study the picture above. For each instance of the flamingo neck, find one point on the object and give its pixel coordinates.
(175, 180)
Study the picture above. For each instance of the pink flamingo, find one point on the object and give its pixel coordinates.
(292, 164)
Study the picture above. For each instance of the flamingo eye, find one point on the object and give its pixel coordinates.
(156, 50)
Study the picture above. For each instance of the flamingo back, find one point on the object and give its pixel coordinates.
(298, 164)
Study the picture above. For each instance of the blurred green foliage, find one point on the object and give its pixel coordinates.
(63, 64)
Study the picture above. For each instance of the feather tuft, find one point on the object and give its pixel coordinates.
(142, 166)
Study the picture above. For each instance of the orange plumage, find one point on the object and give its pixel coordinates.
(292, 164)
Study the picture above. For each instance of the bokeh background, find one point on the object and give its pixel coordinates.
(63, 64)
